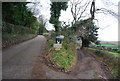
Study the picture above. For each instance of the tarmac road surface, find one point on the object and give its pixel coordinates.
(18, 60)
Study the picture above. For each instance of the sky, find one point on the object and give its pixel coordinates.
(108, 24)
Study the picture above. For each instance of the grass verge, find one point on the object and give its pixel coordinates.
(110, 59)
(63, 59)
(105, 52)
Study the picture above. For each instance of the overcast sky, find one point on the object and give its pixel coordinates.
(108, 24)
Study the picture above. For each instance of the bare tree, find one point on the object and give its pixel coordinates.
(78, 8)
(38, 8)
(109, 8)
(107, 11)
(42, 19)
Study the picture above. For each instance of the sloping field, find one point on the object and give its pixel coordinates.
(111, 44)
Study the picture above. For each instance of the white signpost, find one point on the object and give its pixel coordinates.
(57, 46)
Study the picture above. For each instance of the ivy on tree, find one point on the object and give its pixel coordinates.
(56, 8)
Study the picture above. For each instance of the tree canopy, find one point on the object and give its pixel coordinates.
(17, 13)
(90, 34)
(56, 8)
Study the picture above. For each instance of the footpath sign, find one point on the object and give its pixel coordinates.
(57, 46)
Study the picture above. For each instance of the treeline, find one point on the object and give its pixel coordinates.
(18, 23)
(17, 13)
(85, 29)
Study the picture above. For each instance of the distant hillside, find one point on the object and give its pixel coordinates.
(111, 42)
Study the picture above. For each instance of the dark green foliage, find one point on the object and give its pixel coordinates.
(98, 52)
(65, 45)
(8, 28)
(97, 42)
(118, 76)
(56, 23)
(85, 42)
(17, 13)
(35, 27)
(86, 29)
(12, 39)
(90, 34)
(41, 28)
(56, 8)
(13, 34)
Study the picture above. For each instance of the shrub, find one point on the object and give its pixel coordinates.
(65, 45)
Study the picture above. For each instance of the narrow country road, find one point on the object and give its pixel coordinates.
(18, 60)
(26, 61)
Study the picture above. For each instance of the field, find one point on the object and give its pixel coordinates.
(111, 44)
(109, 53)
(109, 47)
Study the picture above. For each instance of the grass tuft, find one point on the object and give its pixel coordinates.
(65, 58)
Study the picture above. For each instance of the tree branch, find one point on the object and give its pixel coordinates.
(106, 11)
(83, 10)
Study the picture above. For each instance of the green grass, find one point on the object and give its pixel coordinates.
(64, 58)
(115, 72)
(112, 53)
(113, 46)
(107, 45)
(107, 52)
